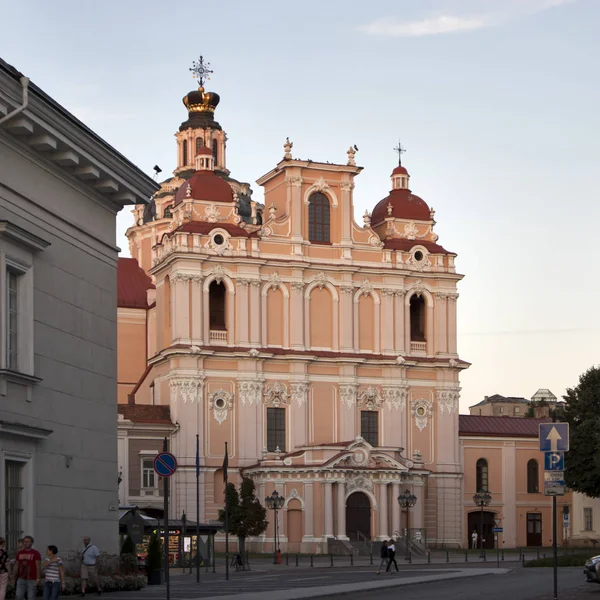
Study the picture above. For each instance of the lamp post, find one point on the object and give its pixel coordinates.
(275, 502)
(182, 539)
(407, 500)
(481, 499)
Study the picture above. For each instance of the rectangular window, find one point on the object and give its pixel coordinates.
(12, 319)
(276, 429)
(369, 427)
(588, 519)
(148, 474)
(500, 409)
(13, 501)
(517, 410)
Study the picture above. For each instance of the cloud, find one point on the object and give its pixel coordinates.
(490, 14)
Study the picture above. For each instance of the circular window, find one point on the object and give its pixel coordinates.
(220, 403)
(421, 411)
(219, 240)
(418, 256)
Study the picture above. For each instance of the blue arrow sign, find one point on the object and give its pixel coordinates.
(554, 437)
(165, 464)
(554, 461)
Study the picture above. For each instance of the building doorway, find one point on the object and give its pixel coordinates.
(358, 517)
(534, 529)
(474, 524)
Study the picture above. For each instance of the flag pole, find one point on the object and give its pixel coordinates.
(225, 478)
(197, 508)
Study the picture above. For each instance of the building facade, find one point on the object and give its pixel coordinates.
(322, 351)
(61, 187)
(542, 404)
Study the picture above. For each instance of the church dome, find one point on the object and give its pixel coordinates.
(399, 170)
(205, 185)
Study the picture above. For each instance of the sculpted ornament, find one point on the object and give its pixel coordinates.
(359, 483)
(320, 185)
(370, 398)
(395, 397)
(346, 186)
(298, 286)
(298, 392)
(219, 273)
(367, 219)
(287, 147)
(249, 392)
(220, 402)
(274, 280)
(376, 242)
(411, 231)
(366, 288)
(421, 411)
(351, 154)
(348, 392)
(321, 280)
(448, 400)
(418, 287)
(295, 181)
(189, 388)
(277, 395)
(212, 213)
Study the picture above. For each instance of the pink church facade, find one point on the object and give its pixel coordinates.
(323, 351)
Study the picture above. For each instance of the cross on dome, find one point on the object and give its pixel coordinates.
(400, 150)
(201, 70)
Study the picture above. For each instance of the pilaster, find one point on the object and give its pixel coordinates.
(341, 510)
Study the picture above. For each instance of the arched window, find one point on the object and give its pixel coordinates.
(533, 477)
(216, 293)
(318, 218)
(199, 143)
(184, 152)
(167, 214)
(482, 475)
(215, 152)
(417, 318)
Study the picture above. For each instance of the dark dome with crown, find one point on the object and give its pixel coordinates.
(201, 104)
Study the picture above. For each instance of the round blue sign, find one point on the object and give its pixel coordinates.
(165, 464)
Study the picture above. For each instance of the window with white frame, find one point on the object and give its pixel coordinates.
(14, 505)
(148, 474)
(588, 519)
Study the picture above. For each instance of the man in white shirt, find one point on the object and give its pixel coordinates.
(89, 555)
(474, 537)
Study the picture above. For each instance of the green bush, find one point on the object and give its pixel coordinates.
(577, 560)
(128, 546)
(154, 557)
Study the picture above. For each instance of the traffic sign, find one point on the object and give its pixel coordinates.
(165, 464)
(497, 529)
(557, 476)
(554, 461)
(554, 437)
(554, 488)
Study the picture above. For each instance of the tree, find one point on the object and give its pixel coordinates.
(247, 516)
(154, 555)
(582, 412)
(128, 546)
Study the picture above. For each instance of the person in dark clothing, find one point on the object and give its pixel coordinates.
(384, 555)
(391, 552)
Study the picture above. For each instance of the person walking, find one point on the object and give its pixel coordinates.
(383, 553)
(474, 538)
(54, 574)
(391, 553)
(28, 568)
(89, 557)
(4, 566)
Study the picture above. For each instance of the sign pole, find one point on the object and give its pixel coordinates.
(166, 524)
(554, 548)
(197, 508)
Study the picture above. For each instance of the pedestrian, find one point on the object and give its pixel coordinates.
(12, 570)
(54, 574)
(383, 553)
(391, 553)
(89, 557)
(28, 570)
(474, 537)
(4, 566)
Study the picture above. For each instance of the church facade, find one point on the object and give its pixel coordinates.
(324, 352)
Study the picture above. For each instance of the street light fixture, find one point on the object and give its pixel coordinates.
(481, 499)
(275, 502)
(407, 500)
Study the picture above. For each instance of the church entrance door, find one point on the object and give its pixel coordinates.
(358, 516)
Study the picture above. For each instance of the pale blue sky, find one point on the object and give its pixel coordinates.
(496, 101)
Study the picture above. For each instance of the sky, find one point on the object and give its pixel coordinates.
(495, 101)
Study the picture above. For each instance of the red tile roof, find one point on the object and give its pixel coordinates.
(405, 205)
(132, 284)
(499, 426)
(406, 245)
(205, 185)
(145, 413)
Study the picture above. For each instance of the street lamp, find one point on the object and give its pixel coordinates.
(275, 502)
(407, 500)
(182, 540)
(481, 499)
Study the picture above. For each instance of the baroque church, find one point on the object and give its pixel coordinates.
(324, 351)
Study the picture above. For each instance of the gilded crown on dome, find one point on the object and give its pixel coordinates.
(200, 101)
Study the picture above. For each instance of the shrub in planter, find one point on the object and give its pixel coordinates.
(154, 560)
(128, 546)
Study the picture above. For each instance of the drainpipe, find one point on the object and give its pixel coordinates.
(24, 104)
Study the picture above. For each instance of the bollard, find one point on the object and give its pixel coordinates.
(331, 556)
(466, 556)
(447, 556)
(311, 561)
(484, 556)
(287, 559)
(351, 559)
(409, 557)
(523, 559)
(428, 557)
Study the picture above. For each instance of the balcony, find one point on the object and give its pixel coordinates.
(218, 337)
(418, 348)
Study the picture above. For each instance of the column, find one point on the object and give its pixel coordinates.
(255, 312)
(452, 324)
(242, 311)
(297, 315)
(180, 308)
(347, 317)
(308, 512)
(197, 337)
(399, 322)
(395, 508)
(387, 320)
(441, 330)
(416, 513)
(341, 510)
(430, 331)
(328, 509)
(297, 207)
(383, 512)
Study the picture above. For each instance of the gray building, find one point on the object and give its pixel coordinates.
(61, 187)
